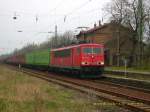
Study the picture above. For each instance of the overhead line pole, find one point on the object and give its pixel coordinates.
(56, 40)
(140, 29)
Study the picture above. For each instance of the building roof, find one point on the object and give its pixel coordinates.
(92, 30)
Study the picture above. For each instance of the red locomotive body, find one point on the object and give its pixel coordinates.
(83, 58)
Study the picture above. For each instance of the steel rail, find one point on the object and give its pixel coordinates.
(122, 85)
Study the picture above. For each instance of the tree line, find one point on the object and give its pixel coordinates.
(52, 42)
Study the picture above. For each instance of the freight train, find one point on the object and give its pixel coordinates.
(83, 60)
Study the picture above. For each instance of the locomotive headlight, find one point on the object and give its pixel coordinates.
(102, 63)
(84, 63)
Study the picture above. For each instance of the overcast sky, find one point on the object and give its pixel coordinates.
(36, 17)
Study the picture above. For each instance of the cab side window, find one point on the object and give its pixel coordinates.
(63, 53)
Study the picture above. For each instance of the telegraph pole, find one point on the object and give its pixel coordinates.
(118, 46)
(56, 40)
(140, 30)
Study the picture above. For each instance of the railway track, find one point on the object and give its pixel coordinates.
(129, 98)
(121, 85)
(130, 75)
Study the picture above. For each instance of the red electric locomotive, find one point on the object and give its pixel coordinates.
(86, 60)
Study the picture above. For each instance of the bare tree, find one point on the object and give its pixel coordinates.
(147, 25)
(67, 38)
(62, 40)
(28, 48)
(132, 14)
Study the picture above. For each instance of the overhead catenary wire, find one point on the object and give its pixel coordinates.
(79, 7)
(37, 15)
(63, 17)
(25, 13)
(60, 3)
(76, 9)
(77, 16)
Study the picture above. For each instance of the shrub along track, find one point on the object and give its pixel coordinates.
(129, 98)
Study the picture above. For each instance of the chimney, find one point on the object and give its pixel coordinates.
(100, 24)
(95, 25)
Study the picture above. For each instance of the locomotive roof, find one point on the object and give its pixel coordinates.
(72, 46)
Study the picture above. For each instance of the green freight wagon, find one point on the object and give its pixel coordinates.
(42, 57)
(29, 57)
(39, 58)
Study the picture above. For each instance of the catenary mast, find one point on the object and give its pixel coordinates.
(140, 29)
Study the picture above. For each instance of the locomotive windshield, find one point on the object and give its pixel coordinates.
(87, 50)
(96, 50)
(92, 50)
